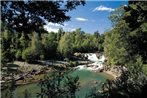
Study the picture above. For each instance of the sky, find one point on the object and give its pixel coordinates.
(90, 18)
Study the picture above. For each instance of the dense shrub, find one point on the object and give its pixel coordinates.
(18, 55)
(29, 54)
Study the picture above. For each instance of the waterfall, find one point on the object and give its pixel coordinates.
(91, 57)
(97, 62)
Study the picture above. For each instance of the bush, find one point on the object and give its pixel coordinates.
(32, 54)
(29, 54)
(42, 57)
(18, 55)
(66, 59)
(73, 63)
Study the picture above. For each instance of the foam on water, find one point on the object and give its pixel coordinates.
(96, 65)
(92, 57)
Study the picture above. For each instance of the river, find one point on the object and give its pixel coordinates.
(87, 78)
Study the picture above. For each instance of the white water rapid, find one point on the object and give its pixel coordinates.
(97, 62)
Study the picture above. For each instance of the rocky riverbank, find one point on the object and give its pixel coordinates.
(115, 71)
(25, 73)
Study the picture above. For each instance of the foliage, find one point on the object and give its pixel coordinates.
(28, 16)
(79, 41)
(125, 45)
(65, 45)
(58, 85)
(32, 47)
(21, 19)
(7, 47)
(18, 55)
(94, 94)
(10, 88)
(60, 33)
(116, 46)
(29, 54)
(135, 16)
(71, 85)
(73, 63)
(24, 42)
(131, 84)
(117, 15)
(128, 37)
(50, 45)
(35, 51)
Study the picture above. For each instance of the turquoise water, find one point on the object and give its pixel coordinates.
(87, 80)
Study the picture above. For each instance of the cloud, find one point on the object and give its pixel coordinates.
(73, 29)
(103, 8)
(54, 27)
(53, 24)
(125, 5)
(56, 24)
(81, 19)
(65, 24)
(51, 29)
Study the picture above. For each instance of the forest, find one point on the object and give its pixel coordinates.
(124, 45)
(61, 45)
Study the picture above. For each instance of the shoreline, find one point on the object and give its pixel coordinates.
(100, 70)
(111, 73)
(26, 67)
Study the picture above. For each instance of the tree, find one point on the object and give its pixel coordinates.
(117, 15)
(125, 45)
(58, 85)
(60, 33)
(71, 85)
(99, 40)
(25, 17)
(128, 37)
(116, 46)
(7, 47)
(50, 86)
(28, 16)
(135, 16)
(10, 88)
(24, 42)
(101, 43)
(50, 44)
(77, 40)
(18, 55)
(131, 84)
(65, 46)
(35, 51)
(96, 34)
